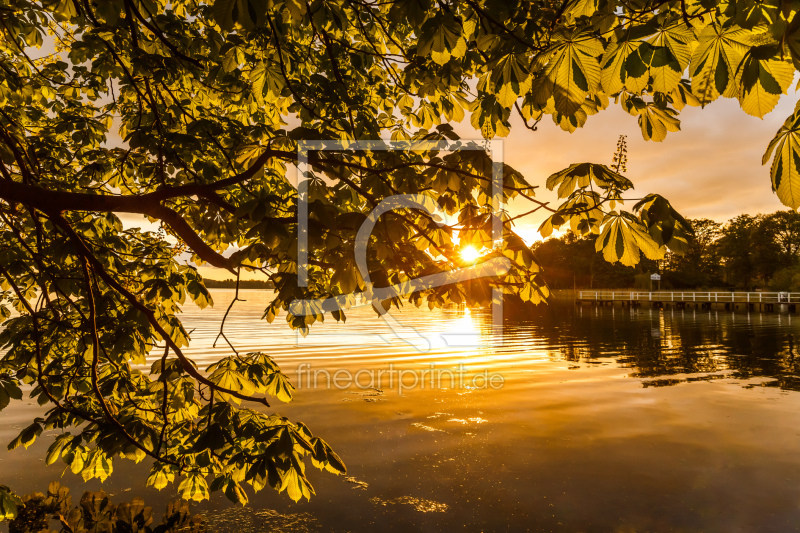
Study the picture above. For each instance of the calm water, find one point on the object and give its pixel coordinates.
(607, 420)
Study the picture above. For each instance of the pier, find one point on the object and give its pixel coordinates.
(786, 302)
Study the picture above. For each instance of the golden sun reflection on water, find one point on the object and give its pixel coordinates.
(605, 420)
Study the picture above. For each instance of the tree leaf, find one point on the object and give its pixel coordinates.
(762, 78)
(716, 60)
(194, 487)
(617, 72)
(785, 169)
(441, 38)
(278, 385)
(582, 174)
(656, 122)
(573, 70)
(9, 504)
(623, 237)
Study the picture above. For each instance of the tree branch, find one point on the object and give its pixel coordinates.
(186, 363)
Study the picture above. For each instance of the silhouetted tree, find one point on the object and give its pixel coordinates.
(700, 266)
(747, 252)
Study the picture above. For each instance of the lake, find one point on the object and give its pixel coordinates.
(575, 419)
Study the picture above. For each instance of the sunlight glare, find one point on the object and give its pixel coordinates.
(470, 254)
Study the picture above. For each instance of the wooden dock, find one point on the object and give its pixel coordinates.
(786, 302)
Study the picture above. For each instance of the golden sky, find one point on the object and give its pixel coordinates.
(710, 169)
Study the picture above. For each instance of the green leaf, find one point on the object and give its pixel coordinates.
(54, 451)
(663, 67)
(347, 277)
(99, 466)
(678, 40)
(199, 294)
(619, 67)
(785, 169)
(246, 14)
(716, 61)
(546, 228)
(573, 70)
(231, 379)
(682, 96)
(667, 55)
(751, 14)
(161, 475)
(26, 437)
(278, 385)
(665, 225)
(582, 174)
(441, 37)
(623, 237)
(268, 81)
(194, 487)
(511, 78)
(762, 78)
(9, 504)
(581, 8)
(296, 485)
(656, 122)
(12, 389)
(644, 241)
(236, 493)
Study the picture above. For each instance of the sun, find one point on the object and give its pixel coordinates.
(469, 254)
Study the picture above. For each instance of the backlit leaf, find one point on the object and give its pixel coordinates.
(573, 70)
(716, 60)
(785, 169)
(194, 487)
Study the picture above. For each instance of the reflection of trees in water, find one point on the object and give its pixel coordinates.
(669, 344)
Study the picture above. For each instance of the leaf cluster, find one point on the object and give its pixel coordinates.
(189, 115)
(95, 512)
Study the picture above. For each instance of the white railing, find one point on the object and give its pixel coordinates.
(691, 296)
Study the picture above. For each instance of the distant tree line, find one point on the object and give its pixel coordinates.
(745, 253)
(243, 284)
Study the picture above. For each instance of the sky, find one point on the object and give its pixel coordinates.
(710, 169)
